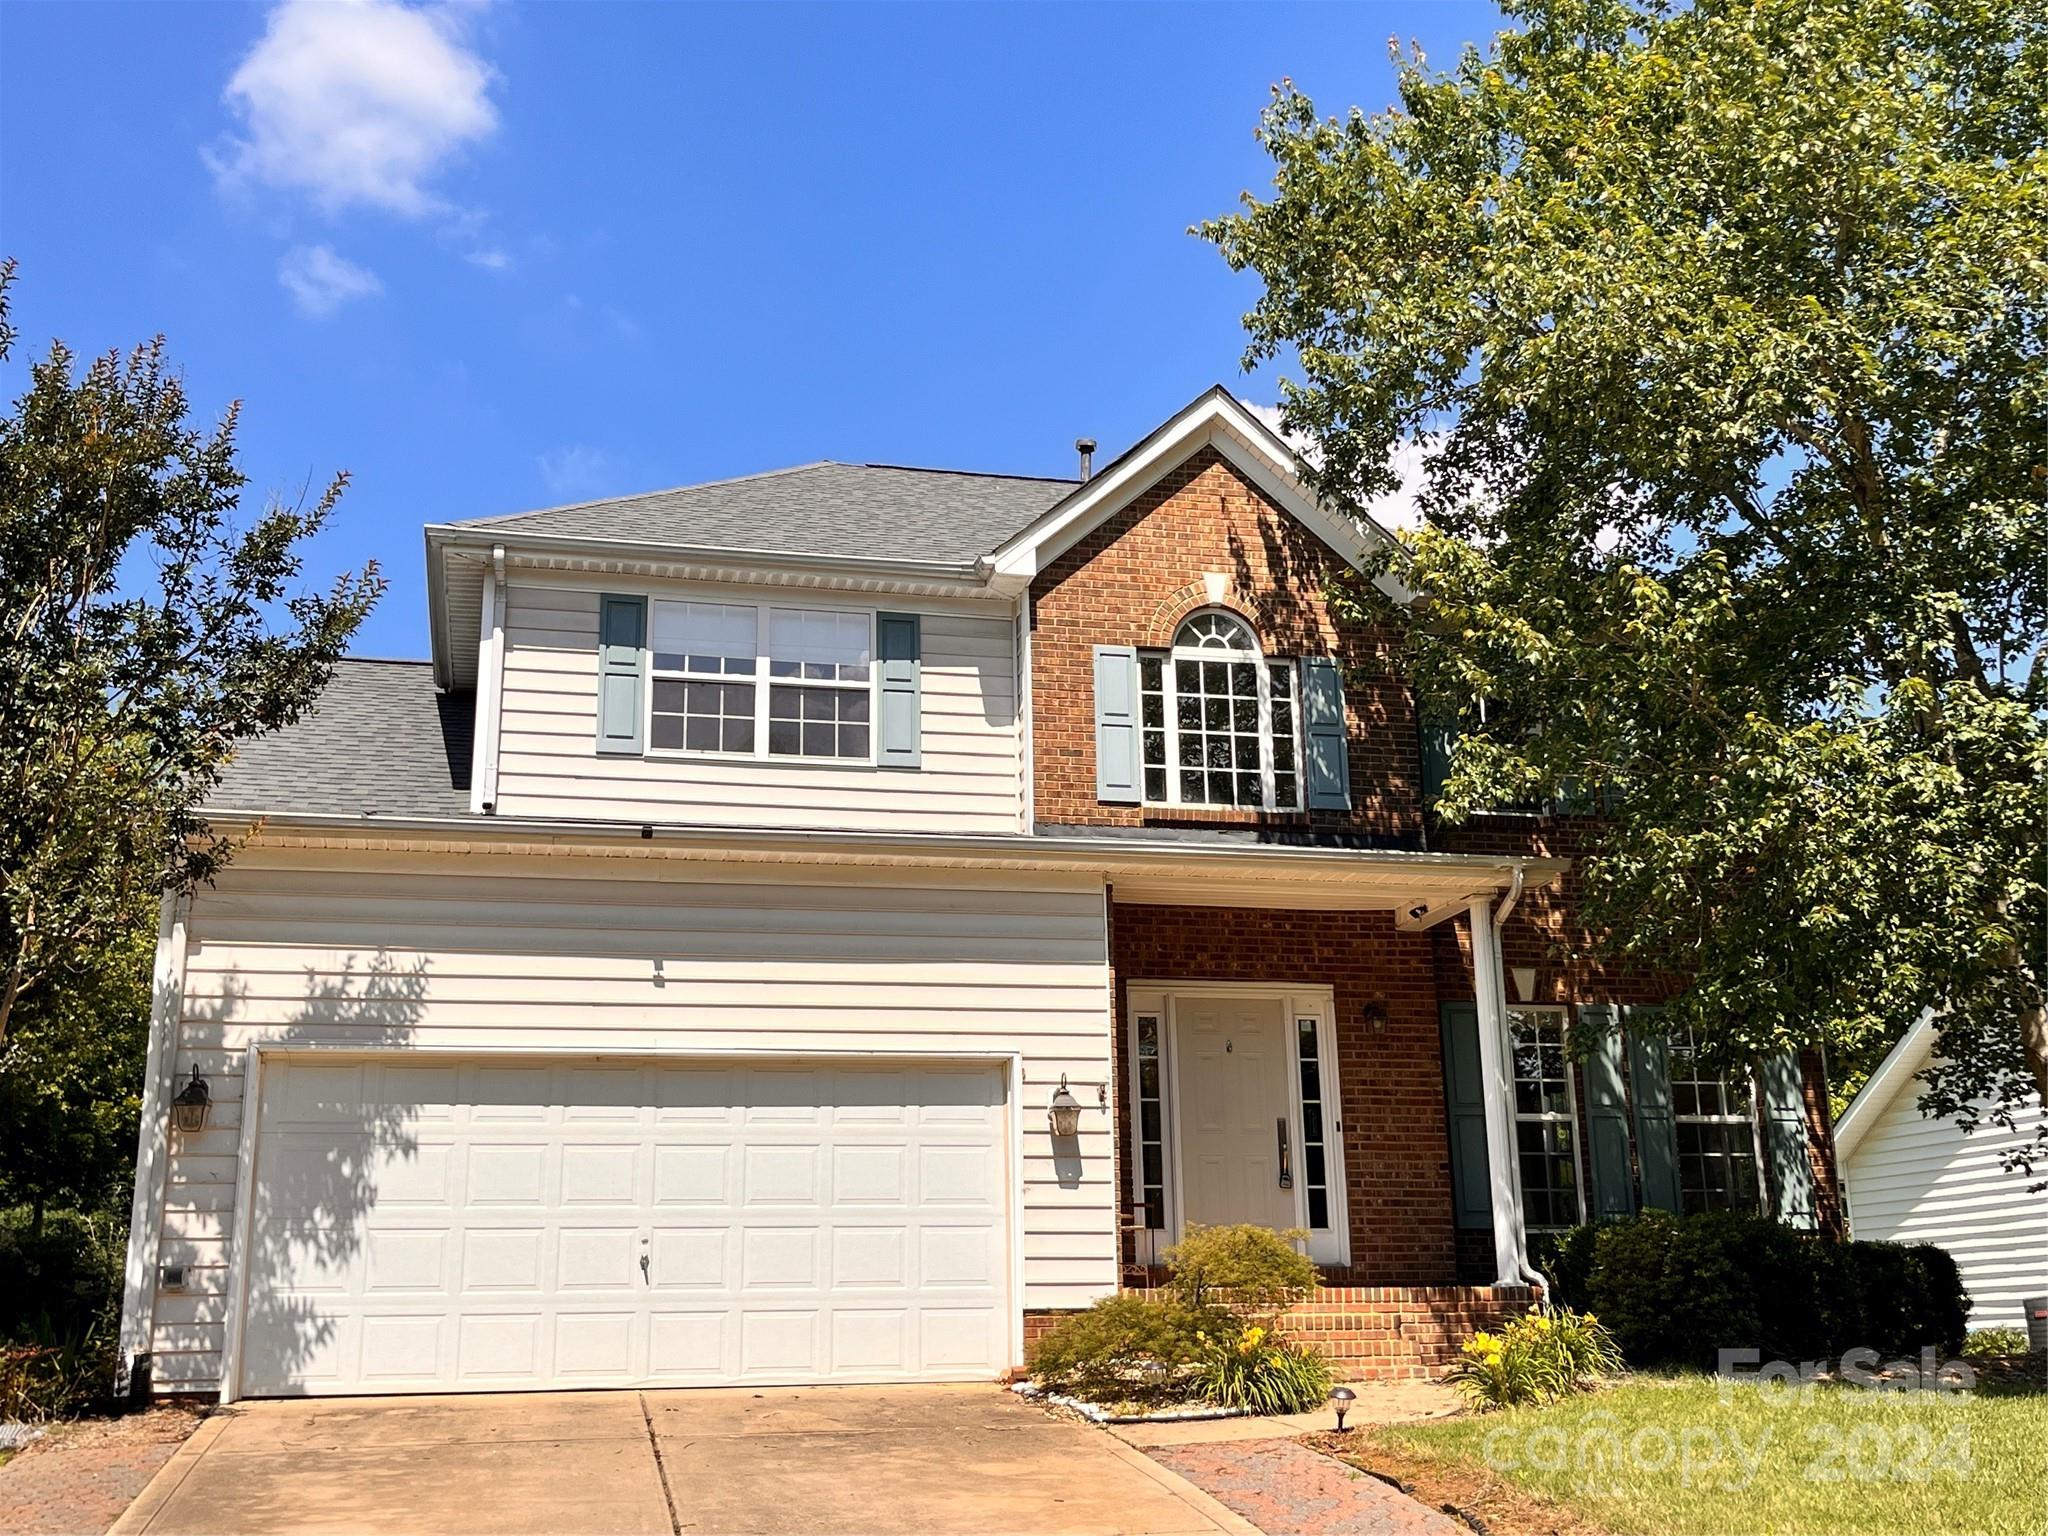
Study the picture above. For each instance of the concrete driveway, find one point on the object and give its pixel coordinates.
(775, 1462)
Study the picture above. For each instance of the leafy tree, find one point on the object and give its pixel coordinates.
(71, 1080)
(1722, 328)
(144, 636)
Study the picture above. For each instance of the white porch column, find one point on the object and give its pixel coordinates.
(1496, 1065)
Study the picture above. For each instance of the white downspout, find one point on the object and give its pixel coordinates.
(490, 687)
(1510, 1241)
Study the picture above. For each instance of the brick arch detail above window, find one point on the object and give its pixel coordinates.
(1174, 609)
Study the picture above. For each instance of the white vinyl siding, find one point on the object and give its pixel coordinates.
(558, 952)
(1915, 1180)
(969, 781)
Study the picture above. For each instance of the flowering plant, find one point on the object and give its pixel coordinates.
(1535, 1359)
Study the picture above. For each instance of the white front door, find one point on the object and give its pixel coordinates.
(1237, 1106)
(425, 1225)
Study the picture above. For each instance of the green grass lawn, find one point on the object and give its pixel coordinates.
(1681, 1457)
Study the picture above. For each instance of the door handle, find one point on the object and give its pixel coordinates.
(1286, 1168)
(645, 1279)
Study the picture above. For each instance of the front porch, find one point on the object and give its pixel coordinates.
(1285, 1067)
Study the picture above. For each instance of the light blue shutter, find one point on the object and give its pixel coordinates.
(899, 734)
(1606, 1114)
(621, 672)
(1465, 1105)
(1649, 1076)
(1327, 752)
(1785, 1141)
(1116, 725)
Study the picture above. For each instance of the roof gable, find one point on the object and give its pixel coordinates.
(1913, 1050)
(1215, 419)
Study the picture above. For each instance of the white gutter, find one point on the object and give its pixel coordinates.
(974, 572)
(1077, 851)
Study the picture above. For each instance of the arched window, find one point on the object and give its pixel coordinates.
(1215, 631)
(1219, 719)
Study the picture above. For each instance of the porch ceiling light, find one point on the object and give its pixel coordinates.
(1064, 1112)
(188, 1109)
(1341, 1399)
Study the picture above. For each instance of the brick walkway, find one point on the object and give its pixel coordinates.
(77, 1480)
(1289, 1490)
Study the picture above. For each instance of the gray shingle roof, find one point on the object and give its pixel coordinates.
(380, 740)
(815, 509)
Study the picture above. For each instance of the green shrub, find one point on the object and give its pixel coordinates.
(1994, 1343)
(1254, 1271)
(1126, 1348)
(61, 1280)
(1537, 1358)
(1262, 1372)
(39, 1382)
(1674, 1290)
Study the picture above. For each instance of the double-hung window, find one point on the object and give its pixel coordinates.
(1220, 720)
(752, 681)
(1546, 1119)
(1715, 1123)
(818, 693)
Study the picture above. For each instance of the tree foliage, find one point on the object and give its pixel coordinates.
(1722, 328)
(145, 635)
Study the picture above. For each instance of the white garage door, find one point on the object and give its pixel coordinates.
(470, 1226)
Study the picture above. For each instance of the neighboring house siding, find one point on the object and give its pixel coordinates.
(548, 764)
(1132, 581)
(1912, 1179)
(558, 951)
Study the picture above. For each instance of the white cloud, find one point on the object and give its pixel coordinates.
(1399, 507)
(357, 102)
(578, 472)
(320, 282)
(490, 260)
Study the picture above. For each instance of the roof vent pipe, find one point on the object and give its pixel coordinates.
(1086, 445)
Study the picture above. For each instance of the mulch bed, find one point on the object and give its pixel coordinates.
(1472, 1495)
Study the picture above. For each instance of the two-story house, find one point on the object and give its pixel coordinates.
(815, 926)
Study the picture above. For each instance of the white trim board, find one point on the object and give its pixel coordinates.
(153, 1148)
(1329, 1246)
(1913, 1050)
(1215, 419)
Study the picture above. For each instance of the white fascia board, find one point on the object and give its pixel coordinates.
(1422, 873)
(657, 552)
(1215, 420)
(1912, 1052)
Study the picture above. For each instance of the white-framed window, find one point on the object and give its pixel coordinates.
(1318, 1118)
(1714, 1119)
(752, 680)
(1546, 1120)
(1220, 722)
(1148, 1094)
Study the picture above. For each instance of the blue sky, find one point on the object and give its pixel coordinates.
(495, 257)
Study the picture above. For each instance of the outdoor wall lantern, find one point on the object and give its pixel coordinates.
(1065, 1111)
(1341, 1399)
(188, 1109)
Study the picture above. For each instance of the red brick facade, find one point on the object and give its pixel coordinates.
(1379, 1333)
(1203, 534)
(1131, 582)
(1390, 1072)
